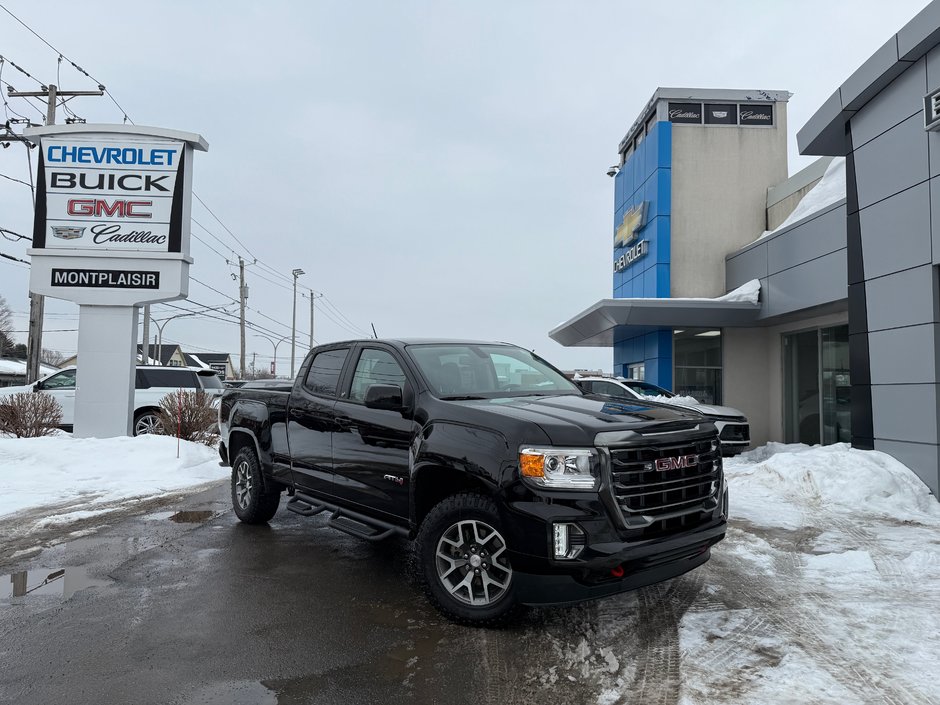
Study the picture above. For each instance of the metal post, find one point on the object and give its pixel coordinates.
(242, 297)
(311, 318)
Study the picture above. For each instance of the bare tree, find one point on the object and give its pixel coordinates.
(51, 357)
(6, 327)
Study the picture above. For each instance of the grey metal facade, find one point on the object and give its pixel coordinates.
(876, 119)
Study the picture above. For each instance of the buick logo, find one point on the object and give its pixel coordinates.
(682, 461)
(64, 232)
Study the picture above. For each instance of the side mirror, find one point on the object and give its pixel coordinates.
(384, 396)
(38, 387)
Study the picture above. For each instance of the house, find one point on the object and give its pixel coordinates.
(170, 355)
(220, 362)
(13, 371)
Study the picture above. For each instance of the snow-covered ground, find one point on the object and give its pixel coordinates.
(60, 479)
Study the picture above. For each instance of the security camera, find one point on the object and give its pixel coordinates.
(612, 171)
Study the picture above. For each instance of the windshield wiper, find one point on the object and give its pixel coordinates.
(468, 397)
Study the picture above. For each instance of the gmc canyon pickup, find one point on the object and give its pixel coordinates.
(515, 486)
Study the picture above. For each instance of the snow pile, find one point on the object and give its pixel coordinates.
(829, 190)
(748, 292)
(837, 477)
(675, 401)
(91, 475)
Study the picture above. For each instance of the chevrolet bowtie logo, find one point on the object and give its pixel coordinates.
(633, 221)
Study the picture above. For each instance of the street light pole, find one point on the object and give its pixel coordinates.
(275, 344)
(293, 328)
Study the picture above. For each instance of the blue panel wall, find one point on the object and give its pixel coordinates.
(646, 176)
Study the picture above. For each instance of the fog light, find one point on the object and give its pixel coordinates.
(568, 541)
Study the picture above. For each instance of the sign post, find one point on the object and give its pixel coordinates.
(111, 233)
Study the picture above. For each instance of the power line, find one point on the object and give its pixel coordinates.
(196, 196)
(14, 259)
(10, 178)
(8, 233)
(76, 66)
(22, 70)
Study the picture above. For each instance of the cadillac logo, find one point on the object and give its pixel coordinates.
(682, 461)
(67, 232)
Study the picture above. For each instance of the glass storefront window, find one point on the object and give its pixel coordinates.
(817, 386)
(637, 371)
(697, 364)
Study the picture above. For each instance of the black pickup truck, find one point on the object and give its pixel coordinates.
(516, 487)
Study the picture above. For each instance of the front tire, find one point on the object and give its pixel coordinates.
(252, 504)
(463, 561)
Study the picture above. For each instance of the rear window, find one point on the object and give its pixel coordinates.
(324, 372)
(174, 379)
(210, 381)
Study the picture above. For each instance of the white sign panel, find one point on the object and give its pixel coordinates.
(932, 110)
(125, 195)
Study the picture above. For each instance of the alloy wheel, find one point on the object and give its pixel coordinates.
(472, 563)
(243, 484)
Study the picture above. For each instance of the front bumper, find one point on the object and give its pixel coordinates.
(622, 549)
(664, 563)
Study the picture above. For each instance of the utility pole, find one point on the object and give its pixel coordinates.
(242, 298)
(293, 328)
(145, 348)
(37, 303)
(313, 297)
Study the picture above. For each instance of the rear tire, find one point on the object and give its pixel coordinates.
(147, 421)
(252, 504)
(463, 561)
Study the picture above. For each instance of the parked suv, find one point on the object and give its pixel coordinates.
(733, 428)
(152, 384)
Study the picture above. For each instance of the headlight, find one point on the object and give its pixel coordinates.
(559, 468)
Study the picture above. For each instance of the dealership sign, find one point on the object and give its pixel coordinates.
(111, 234)
(124, 195)
(634, 220)
(932, 110)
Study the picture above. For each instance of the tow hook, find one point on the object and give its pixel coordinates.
(617, 571)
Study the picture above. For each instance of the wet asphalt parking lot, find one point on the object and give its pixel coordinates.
(177, 603)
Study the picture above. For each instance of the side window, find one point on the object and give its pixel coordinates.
(609, 388)
(63, 380)
(323, 375)
(375, 367)
(173, 379)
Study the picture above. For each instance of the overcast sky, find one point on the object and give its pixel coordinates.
(436, 168)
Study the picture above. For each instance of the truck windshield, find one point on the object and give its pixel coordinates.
(456, 371)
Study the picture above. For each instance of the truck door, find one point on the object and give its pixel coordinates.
(371, 446)
(310, 422)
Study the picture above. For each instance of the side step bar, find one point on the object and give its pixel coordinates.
(346, 520)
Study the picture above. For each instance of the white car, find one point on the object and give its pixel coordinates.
(733, 428)
(152, 384)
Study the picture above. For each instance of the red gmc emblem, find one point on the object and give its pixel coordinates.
(683, 461)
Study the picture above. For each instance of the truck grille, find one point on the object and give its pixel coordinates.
(668, 488)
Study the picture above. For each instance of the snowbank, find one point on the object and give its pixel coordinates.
(839, 477)
(88, 473)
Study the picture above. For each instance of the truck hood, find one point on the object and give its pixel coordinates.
(576, 420)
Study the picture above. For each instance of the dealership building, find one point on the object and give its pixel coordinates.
(841, 340)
